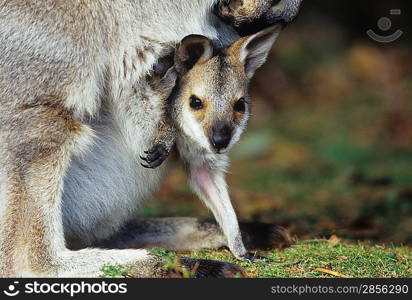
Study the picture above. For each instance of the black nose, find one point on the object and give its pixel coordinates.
(221, 135)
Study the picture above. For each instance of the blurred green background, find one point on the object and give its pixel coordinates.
(329, 147)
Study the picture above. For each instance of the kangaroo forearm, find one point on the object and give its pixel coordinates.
(166, 134)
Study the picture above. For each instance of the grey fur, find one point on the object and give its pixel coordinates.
(67, 69)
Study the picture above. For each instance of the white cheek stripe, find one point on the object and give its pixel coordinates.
(194, 130)
(238, 132)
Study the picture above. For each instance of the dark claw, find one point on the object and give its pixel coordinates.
(155, 148)
(155, 156)
(156, 163)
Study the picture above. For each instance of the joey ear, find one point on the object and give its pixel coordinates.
(252, 51)
(167, 83)
(192, 49)
(163, 86)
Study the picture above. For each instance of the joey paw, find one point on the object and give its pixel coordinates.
(155, 156)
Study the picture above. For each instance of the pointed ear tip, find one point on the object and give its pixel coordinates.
(276, 29)
(272, 31)
(171, 72)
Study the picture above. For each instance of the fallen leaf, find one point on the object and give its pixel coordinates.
(333, 241)
(330, 272)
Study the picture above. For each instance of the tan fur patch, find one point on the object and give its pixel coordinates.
(46, 131)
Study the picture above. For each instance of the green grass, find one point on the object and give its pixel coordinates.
(109, 271)
(302, 260)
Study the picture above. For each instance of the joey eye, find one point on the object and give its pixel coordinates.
(240, 106)
(196, 103)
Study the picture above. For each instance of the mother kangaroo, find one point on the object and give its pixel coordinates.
(60, 60)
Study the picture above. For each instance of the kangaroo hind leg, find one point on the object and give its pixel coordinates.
(37, 142)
